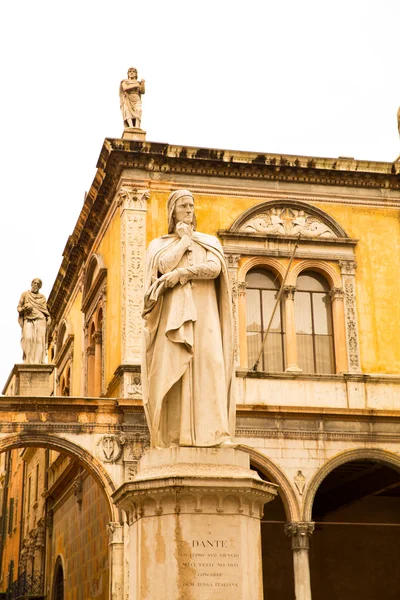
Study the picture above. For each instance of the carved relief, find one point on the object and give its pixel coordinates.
(133, 204)
(351, 326)
(134, 389)
(348, 267)
(287, 221)
(109, 448)
(300, 482)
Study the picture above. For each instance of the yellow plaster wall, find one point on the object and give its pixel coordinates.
(110, 250)
(377, 282)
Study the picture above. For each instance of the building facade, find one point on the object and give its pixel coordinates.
(312, 247)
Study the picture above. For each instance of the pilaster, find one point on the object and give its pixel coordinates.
(133, 208)
(348, 270)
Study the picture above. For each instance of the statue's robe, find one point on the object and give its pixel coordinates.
(188, 346)
(33, 325)
(130, 102)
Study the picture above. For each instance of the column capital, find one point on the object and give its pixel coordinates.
(241, 288)
(232, 260)
(348, 267)
(289, 291)
(336, 293)
(131, 198)
(97, 337)
(300, 532)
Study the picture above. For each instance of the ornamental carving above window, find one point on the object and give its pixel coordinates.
(287, 218)
(287, 221)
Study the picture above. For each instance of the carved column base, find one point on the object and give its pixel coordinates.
(29, 380)
(194, 525)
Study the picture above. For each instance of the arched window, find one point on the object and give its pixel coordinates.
(58, 593)
(262, 290)
(313, 316)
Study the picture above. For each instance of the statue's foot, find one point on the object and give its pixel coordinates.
(227, 444)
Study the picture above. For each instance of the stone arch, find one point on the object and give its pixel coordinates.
(295, 204)
(90, 462)
(287, 493)
(377, 454)
(94, 266)
(58, 565)
(262, 261)
(325, 269)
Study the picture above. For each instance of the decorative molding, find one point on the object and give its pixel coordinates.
(300, 532)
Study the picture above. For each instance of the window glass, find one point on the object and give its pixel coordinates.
(313, 324)
(262, 289)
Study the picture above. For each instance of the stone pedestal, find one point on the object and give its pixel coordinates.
(134, 133)
(29, 380)
(194, 525)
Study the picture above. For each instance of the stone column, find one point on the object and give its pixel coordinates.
(133, 209)
(97, 337)
(241, 293)
(348, 269)
(194, 525)
(90, 371)
(339, 330)
(300, 534)
(290, 330)
(116, 533)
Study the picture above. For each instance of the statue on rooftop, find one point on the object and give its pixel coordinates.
(130, 95)
(398, 120)
(34, 319)
(188, 335)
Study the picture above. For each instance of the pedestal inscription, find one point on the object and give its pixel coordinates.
(194, 525)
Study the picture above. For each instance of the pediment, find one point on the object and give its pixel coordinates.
(287, 218)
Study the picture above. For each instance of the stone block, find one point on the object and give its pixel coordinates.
(29, 380)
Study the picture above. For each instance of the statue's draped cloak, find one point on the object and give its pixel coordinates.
(188, 351)
(130, 102)
(33, 327)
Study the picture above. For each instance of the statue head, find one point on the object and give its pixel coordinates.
(132, 73)
(36, 284)
(176, 197)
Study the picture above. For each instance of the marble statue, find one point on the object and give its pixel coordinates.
(130, 95)
(34, 319)
(188, 346)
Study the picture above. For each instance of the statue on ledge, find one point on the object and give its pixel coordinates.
(188, 335)
(34, 319)
(130, 95)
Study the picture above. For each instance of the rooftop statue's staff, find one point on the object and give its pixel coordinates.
(188, 349)
(34, 319)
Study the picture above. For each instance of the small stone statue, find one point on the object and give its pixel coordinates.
(130, 95)
(398, 120)
(188, 351)
(34, 319)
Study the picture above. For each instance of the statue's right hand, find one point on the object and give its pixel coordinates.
(183, 229)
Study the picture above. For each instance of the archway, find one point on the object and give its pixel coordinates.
(356, 510)
(277, 556)
(55, 500)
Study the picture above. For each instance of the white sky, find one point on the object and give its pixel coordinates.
(307, 77)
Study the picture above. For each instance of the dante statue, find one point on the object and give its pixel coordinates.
(130, 96)
(188, 335)
(34, 319)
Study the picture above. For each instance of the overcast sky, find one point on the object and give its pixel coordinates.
(304, 77)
